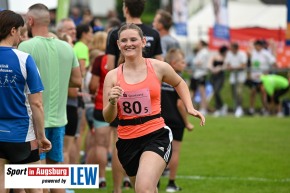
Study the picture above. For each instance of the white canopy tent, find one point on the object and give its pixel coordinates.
(22, 6)
(240, 14)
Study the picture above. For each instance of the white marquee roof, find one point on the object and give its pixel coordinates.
(240, 15)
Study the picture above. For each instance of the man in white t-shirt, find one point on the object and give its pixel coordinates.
(261, 62)
(236, 61)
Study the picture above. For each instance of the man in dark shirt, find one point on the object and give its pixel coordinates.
(132, 10)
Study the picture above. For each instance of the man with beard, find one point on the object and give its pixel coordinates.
(59, 70)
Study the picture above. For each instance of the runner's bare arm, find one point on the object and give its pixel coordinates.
(171, 77)
(111, 93)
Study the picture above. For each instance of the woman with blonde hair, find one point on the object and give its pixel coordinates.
(98, 45)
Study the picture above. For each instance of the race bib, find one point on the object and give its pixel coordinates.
(135, 102)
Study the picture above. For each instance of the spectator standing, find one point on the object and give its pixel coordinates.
(81, 47)
(22, 134)
(76, 15)
(58, 71)
(162, 23)
(112, 23)
(66, 26)
(216, 67)
(235, 63)
(199, 74)
(98, 150)
(261, 62)
(177, 118)
(23, 34)
(98, 45)
(66, 31)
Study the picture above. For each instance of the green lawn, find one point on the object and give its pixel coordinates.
(229, 155)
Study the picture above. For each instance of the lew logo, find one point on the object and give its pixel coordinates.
(84, 176)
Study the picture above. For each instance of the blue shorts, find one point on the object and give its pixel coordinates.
(99, 124)
(99, 120)
(56, 136)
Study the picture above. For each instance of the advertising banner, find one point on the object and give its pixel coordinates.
(180, 16)
(221, 32)
(51, 176)
(288, 24)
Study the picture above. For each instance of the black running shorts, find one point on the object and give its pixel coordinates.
(18, 153)
(130, 150)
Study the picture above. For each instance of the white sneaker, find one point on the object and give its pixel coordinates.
(173, 188)
(251, 111)
(203, 112)
(239, 112)
(217, 113)
(280, 114)
(265, 112)
(224, 110)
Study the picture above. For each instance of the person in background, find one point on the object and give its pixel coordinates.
(162, 23)
(58, 71)
(235, 63)
(76, 15)
(132, 10)
(82, 50)
(98, 150)
(199, 74)
(275, 86)
(144, 141)
(261, 62)
(81, 47)
(112, 23)
(177, 119)
(66, 30)
(66, 26)
(97, 24)
(22, 134)
(87, 17)
(72, 117)
(98, 45)
(217, 78)
(23, 34)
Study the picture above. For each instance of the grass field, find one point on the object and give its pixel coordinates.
(229, 155)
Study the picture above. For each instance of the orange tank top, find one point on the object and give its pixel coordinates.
(139, 100)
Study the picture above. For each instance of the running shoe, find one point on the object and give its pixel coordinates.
(127, 184)
(103, 185)
(172, 188)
